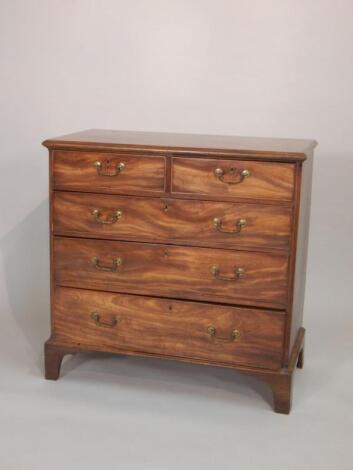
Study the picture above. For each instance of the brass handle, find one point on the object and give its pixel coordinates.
(116, 263)
(238, 274)
(239, 224)
(97, 319)
(234, 335)
(97, 216)
(119, 167)
(219, 173)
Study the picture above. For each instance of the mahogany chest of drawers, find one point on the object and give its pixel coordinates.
(183, 247)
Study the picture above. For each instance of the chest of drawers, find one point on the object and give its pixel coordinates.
(183, 247)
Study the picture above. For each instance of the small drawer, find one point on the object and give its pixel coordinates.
(108, 172)
(214, 275)
(176, 221)
(214, 333)
(233, 178)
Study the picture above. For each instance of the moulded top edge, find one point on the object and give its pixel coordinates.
(261, 147)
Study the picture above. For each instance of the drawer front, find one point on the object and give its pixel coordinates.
(217, 334)
(233, 178)
(172, 271)
(108, 172)
(203, 223)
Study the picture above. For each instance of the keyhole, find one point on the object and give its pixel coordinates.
(170, 308)
(166, 208)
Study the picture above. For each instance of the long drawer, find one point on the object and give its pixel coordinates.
(227, 276)
(233, 178)
(108, 172)
(218, 334)
(203, 223)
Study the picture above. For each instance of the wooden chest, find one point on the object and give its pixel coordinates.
(183, 247)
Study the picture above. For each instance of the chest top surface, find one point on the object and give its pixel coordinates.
(256, 147)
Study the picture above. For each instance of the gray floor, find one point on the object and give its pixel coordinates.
(109, 412)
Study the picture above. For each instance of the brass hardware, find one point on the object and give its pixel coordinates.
(116, 263)
(219, 173)
(119, 167)
(96, 213)
(238, 274)
(240, 224)
(212, 330)
(97, 319)
(234, 335)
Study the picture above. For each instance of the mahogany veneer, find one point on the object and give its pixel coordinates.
(183, 247)
(175, 221)
(268, 180)
(172, 271)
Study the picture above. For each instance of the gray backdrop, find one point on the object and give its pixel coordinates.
(276, 68)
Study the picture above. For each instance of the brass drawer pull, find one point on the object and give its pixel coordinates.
(116, 263)
(97, 216)
(119, 167)
(238, 274)
(242, 174)
(235, 334)
(239, 224)
(97, 319)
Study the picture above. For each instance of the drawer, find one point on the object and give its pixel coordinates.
(233, 178)
(108, 172)
(202, 223)
(217, 334)
(172, 271)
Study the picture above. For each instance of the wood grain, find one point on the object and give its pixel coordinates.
(269, 181)
(173, 221)
(76, 171)
(299, 253)
(172, 271)
(163, 326)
